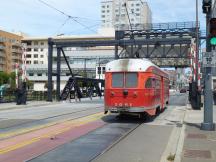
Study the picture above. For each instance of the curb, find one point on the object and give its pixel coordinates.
(26, 106)
(175, 143)
(180, 144)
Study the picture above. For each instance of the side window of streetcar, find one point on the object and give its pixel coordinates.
(148, 83)
(117, 80)
(131, 80)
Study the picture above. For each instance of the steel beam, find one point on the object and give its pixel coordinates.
(67, 62)
(50, 70)
(92, 43)
(58, 76)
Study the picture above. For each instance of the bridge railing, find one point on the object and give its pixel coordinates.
(160, 26)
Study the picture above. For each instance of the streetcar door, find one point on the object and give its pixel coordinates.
(162, 93)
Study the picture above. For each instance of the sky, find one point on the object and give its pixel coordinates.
(36, 19)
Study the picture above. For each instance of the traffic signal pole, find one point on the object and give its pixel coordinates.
(208, 124)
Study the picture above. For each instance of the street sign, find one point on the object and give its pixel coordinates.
(209, 59)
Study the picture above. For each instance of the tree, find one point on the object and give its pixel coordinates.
(4, 78)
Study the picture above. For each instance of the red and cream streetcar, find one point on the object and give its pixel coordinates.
(135, 86)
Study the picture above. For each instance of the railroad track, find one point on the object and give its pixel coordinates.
(48, 121)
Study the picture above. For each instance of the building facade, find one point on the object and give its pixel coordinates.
(10, 51)
(119, 14)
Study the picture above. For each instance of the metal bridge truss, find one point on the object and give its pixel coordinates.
(75, 86)
(166, 44)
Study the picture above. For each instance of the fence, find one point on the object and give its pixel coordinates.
(10, 96)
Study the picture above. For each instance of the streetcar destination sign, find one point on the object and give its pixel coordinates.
(209, 59)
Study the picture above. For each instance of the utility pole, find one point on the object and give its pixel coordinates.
(99, 67)
(208, 124)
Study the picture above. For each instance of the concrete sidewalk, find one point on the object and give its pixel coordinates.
(199, 145)
(30, 104)
(8, 106)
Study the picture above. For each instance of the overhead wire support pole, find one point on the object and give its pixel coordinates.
(197, 72)
(50, 70)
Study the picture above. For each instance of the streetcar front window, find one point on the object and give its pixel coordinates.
(131, 80)
(117, 80)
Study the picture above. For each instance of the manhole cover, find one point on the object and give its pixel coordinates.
(202, 154)
(198, 136)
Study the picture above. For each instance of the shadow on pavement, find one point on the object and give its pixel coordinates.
(127, 118)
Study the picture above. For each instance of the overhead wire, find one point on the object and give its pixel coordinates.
(62, 12)
(67, 15)
(62, 25)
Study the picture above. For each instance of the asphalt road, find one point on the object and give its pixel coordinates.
(146, 140)
(178, 99)
(144, 143)
(15, 119)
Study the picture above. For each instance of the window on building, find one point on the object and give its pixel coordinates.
(29, 43)
(103, 16)
(28, 62)
(41, 62)
(108, 11)
(137, 9)
(41, 49)
(31, 74)
(35, 62)
(137, 4)
(99, 70)
(117, 80)
(116, 10)
(35, 55)
(132, 4)
(28, 56)
(103, 11)
(39, 74)
(35, 43)
(103, 6)
(104, 70)
(41, 56)
(108, 6)
(42, 43)
(137, 14)
(28, 50)
(35, 49)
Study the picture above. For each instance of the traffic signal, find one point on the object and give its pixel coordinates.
(213, 31)
(207, 6)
